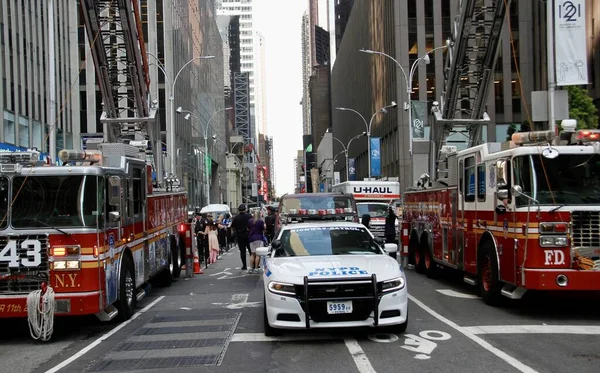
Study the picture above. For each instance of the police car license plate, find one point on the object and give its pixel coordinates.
(339, 307)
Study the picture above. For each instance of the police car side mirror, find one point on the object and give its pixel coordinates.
(262, 251)
(390, 248)
(114, 216)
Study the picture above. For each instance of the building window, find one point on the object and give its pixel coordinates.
(37, 135)
(9, 127)
(23, 132)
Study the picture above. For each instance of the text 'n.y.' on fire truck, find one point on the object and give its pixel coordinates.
(373, 198)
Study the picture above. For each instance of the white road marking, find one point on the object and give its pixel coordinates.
(358, 355)
(260, 337)
(239, 301)
(534, 329)
(496, 351)
(456, 294)
(104, 337)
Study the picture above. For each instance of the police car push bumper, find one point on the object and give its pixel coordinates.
(325, 302)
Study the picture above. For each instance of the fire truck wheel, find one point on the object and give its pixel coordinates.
(127, 299)
(431, 268)
(419, 254)
(487, 274)
(175, 258)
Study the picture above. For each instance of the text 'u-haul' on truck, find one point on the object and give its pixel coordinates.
(513, 217)
(373, 198)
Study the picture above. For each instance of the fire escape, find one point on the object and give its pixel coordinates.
(468, 72)
(114, 30)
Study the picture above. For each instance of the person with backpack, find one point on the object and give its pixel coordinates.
(239, 225)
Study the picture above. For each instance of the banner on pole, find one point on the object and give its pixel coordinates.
(419, 119)
(375, 156)
(352, 169)
(570, 42)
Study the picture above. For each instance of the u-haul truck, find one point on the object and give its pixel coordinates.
(373, 198)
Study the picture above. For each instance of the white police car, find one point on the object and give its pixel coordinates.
(331, 274)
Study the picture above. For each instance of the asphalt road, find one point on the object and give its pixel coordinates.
(213, 323)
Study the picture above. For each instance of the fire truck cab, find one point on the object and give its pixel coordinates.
(516, 216)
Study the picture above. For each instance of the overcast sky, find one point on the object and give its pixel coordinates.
(280, 22)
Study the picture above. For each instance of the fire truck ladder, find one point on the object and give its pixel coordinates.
(468, 72)
(114, 31)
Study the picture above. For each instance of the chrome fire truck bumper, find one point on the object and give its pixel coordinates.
(562, 279)
(65, 304)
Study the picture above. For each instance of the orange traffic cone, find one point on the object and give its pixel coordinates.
(197, 269)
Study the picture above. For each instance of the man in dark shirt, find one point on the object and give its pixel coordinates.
(239, 224)
(200, 226)
(390, 228)
(270, 224)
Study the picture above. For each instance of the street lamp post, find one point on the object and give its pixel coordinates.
(408, 79)
(368, 127)
(171, 125)
(345, 151)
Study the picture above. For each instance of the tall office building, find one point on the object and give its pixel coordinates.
(306, 73)
(249, 54)
(406, 30)
(261, 75)
(36, 80)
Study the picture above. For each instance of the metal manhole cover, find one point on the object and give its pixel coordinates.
(172, 340)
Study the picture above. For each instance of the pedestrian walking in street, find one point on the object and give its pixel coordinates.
(239, 225)
(390, 228)
(221, 233)
(270, 224)
(257, 239)
(200, 226)
(210, 233)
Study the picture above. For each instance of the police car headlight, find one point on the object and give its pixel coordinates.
(393, 285)
(281, 288)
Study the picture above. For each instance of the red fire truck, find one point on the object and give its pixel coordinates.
(86, 237)
(94, 231)
(514, 216)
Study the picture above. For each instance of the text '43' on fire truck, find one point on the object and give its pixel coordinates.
(516, 216)
(92, 232)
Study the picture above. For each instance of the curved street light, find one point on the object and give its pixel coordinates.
(171, 125)
(368, 127)
(408, 80)
(345, 151)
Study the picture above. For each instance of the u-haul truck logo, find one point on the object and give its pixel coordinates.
(373, 190)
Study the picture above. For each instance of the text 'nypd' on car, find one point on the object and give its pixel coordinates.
(331, 274)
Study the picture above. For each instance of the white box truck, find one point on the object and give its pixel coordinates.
(374, 198)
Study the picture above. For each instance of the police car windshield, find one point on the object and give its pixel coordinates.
(328, 240)
(55, 201)
(374, 209)
(316, 202)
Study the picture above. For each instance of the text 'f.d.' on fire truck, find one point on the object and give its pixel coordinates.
(373, 198)
(514, 216)
(86, 237)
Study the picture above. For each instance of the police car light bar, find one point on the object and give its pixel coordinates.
(534, 137)
(585, 136)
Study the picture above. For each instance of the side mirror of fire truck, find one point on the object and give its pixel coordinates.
(502, 174)
(114, 216)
